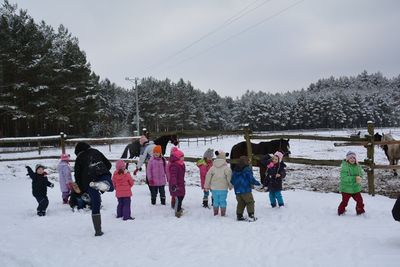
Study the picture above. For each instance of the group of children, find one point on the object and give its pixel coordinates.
(215, 176)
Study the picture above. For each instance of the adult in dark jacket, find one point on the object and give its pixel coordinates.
(243, 181)
(275, 174)
(39, 187)
(92, 168)
(396, 210)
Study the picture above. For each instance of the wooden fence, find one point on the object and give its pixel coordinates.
(367, 141)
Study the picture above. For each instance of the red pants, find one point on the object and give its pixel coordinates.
(345, 200)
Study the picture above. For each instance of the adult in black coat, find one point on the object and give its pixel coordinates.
(92, 166)
(396, 210)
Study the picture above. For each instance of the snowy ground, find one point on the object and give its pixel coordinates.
(307, 232)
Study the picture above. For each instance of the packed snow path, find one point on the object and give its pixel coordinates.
(307, 232)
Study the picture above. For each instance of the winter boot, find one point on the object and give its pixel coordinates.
(205, 203)
(252, 218)
(101, 186)
(240, 217)
(178, 214)
(223, 212)
(215, 211)
(153, 201)
(162, 200)
(96, 218)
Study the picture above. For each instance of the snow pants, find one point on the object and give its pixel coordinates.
(345, 200)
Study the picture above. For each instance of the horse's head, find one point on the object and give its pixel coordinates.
(271, 147)
(174, 139)
(377, 137)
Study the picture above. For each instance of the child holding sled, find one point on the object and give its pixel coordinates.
(204, 166)
(274, 176)
(39, 187)
(123, 182)
(243, 181)
(218, 179)
(351, 174)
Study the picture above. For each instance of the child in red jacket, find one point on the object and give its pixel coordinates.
(123, 182)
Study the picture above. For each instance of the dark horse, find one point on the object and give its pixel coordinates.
(134, 147)
(262, 151)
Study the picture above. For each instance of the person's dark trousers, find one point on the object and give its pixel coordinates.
(43, 202)
(178, 203)
(95, 200)
(124, 208)
(154, 191)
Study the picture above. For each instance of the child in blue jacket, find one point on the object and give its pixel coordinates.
(243, 181)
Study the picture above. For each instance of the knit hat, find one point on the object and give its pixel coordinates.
(279, 155)
(157, 149)
(221, 154)
(350, 155)
(65, 157)
(209, 153)
(39, 166)
(143, 140)
(80, 147)
(177, 153)
(120, 165)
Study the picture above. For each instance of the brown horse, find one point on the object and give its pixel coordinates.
(392, 151)
(261, 151)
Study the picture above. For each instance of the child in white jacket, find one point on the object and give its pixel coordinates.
(218, 180)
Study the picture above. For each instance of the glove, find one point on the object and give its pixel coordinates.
(69, 186)
(358, 179)
(135, 171)
(51, 185)
(174, 188)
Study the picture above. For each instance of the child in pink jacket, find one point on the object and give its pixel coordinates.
(157, 175)
(123, 182)
(204, 165)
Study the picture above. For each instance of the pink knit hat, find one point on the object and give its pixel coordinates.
(143, 140)
(65, 157)
(120, 165)
(279, 155)
(177, 153)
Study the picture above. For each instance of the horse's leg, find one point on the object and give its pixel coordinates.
(395, 162)
(125, 153)
(263, 170)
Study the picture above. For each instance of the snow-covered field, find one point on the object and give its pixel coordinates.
(307, 232)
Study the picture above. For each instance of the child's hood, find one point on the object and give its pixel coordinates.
(219, 163)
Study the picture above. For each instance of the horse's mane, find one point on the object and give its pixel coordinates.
(387, 137)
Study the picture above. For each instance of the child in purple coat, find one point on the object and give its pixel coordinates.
(64, 177)
(176, 174)
(157, 175)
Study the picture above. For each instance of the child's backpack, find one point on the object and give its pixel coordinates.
(396, 210)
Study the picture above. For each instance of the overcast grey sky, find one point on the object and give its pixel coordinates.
(311, 40)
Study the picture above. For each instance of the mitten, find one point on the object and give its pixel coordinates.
(51, 185)
(174, 188)
(358, 179)
(135, 171)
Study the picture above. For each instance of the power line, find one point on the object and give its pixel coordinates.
(229, 21)
(233, 36)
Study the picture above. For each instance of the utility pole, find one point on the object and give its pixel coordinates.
(137, 107)
(137, 103)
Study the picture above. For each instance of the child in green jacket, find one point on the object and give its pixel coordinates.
(351, 174)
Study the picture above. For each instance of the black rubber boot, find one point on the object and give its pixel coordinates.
(153, 201)
(96, 218)
(162, 200)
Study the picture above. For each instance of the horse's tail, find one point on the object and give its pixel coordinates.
(125, 153)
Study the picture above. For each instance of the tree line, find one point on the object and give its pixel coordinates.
(47, 86)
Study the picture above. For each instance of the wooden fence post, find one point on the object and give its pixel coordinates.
(370, 156)
(62, 142)
(248, 144)
(39, 144)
